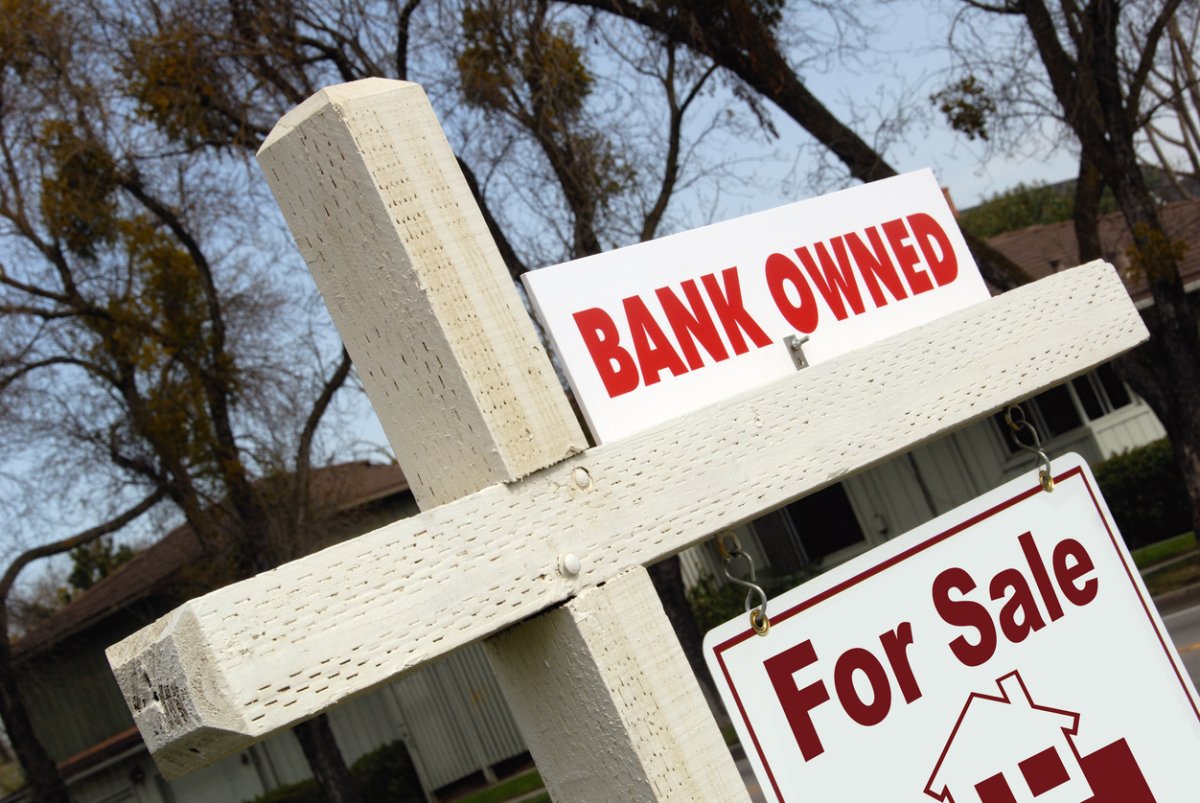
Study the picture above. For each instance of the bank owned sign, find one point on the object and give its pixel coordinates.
(655, 330)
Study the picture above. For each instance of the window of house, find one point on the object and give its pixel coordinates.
(825, 522)
(1085, 391)
(808, 530)
(1058, 411)
(781, 545)
(1112, 386)
(1065, 407)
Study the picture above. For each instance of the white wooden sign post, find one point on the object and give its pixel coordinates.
(527, 538)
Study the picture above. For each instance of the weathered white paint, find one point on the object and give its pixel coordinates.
(420, 295)
(611, 715)
(253, 657)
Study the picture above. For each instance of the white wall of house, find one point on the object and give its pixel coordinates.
(1094, 415)
(451, 715)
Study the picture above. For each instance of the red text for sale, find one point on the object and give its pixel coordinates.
(1011, 605)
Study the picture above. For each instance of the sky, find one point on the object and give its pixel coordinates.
(971, 174)
(908, 63)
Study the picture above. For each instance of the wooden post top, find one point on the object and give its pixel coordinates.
(388, 226)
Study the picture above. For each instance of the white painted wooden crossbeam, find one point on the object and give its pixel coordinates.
(235, 665)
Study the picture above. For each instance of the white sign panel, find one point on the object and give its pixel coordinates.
(1006, 651)
(649, 332)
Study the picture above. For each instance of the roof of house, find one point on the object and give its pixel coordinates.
(342, 487)
(1048, 248)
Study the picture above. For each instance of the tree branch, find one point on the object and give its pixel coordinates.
(50, 362)
(1149, 48)
(1012, 7)
(403, 19)
(513, 262)
(304, 449)
(79, 539)
(674, 138)
(213, 380)
(1066, 79)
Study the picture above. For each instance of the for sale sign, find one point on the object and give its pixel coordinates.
(655, 330)
(1006, 651)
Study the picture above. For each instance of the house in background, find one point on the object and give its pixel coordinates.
(451, 715)
(1096, 415)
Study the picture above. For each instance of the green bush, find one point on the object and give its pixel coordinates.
(386, 775)
(715, 603)
(303, 792)
(1145, 491)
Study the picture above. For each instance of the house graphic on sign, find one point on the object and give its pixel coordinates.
(1005, 748)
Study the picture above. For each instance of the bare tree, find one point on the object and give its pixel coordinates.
(141, 337)
(1171, 129)
(1103, 79)
(741, 37)
(1081, 49)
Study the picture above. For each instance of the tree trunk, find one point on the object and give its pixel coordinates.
(1086, 214)
(325, 759)
(1171, 400)
(42, 778)
(1171, 382)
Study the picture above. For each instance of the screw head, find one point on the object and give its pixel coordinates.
(581, 478)
(570, 565)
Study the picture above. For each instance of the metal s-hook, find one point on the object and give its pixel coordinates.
(730, 549)
(1014, 416)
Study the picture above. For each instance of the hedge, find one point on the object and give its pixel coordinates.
(386, 775)
(1144, 489)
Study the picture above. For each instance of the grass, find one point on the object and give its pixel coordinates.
(1164, 550)
(507, 790)
(1176, 575)
(1173, 577)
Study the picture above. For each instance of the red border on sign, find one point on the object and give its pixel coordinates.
(1077, 471)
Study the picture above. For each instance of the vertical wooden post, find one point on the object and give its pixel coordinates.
(467, 397)
(612, 709)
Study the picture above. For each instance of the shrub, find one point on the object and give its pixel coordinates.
(1146, 493)
(386, 775)
(303, 792)
(715, 603)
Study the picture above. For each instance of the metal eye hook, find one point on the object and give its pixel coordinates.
(1014, 416)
